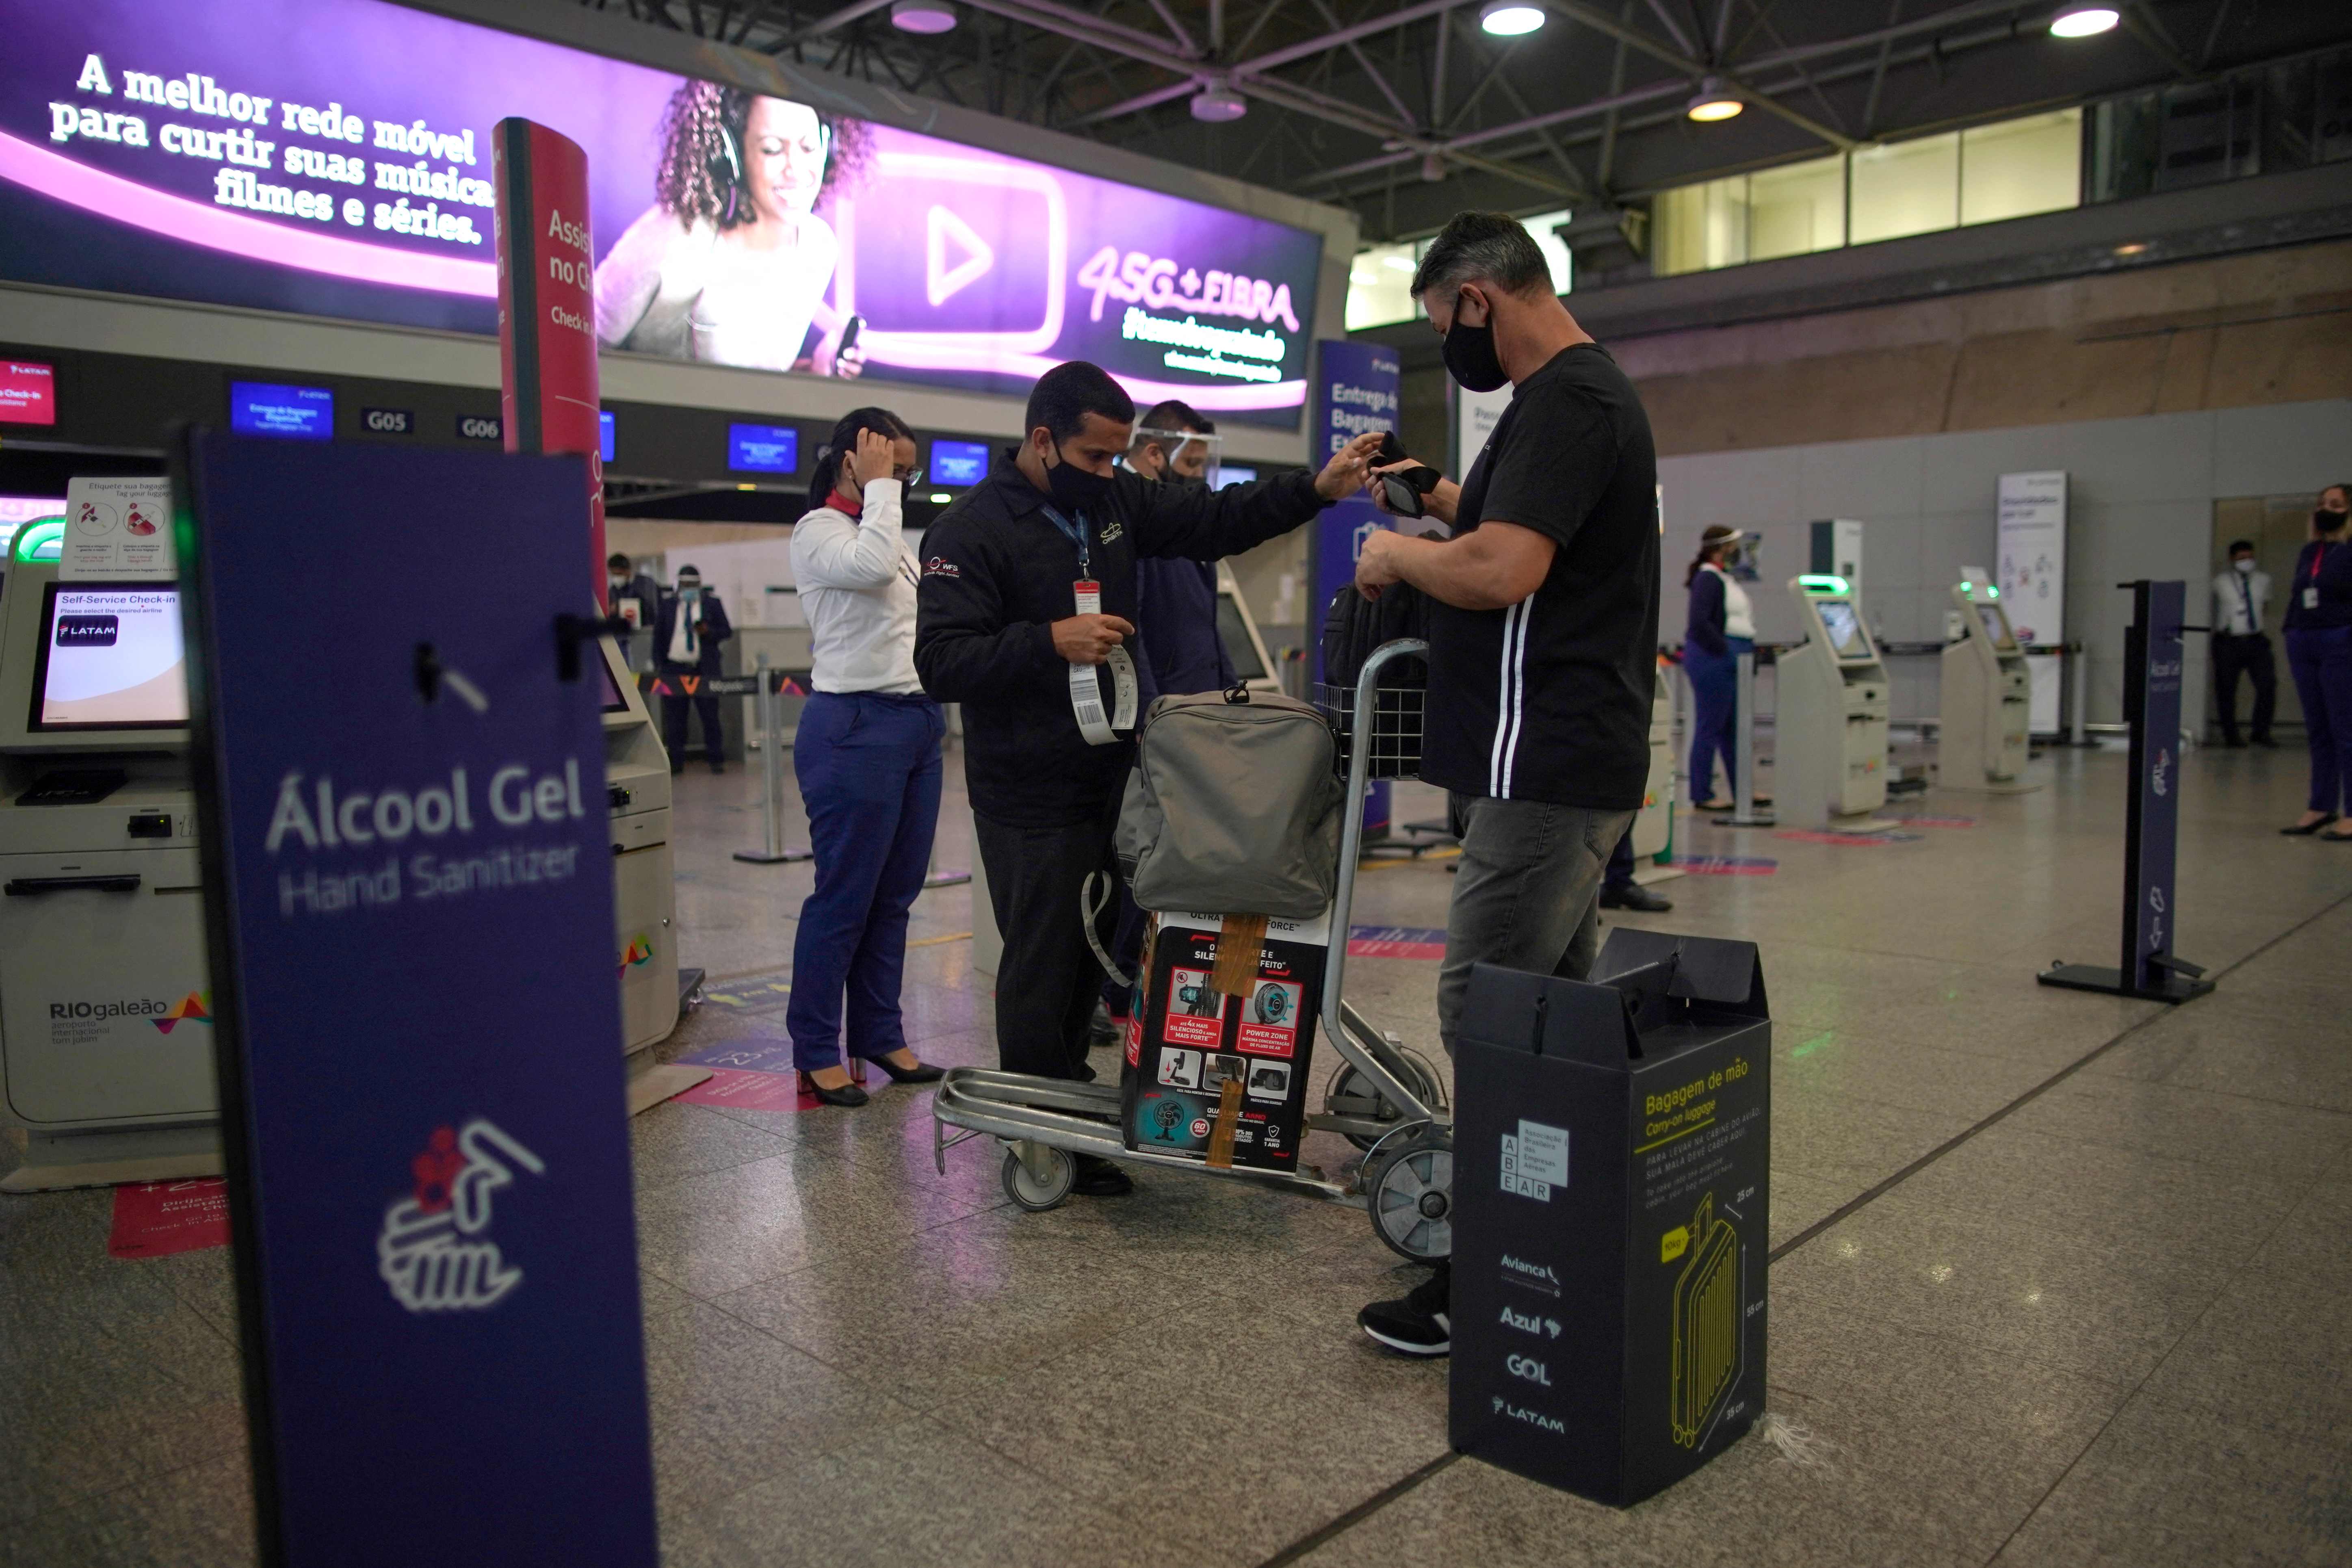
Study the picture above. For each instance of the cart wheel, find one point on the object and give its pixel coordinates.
(1352, 1094)
(1410, 1197)
(1037, 1194)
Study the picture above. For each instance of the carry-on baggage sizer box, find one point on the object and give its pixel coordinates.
(1188, 1040)
(1611, 1197)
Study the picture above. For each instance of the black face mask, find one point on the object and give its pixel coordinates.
(1073, 489)
(1470, 352)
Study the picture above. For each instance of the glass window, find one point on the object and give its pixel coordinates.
(1796, 208)
(1907, 187)
(1702, 226)
(2022, 166)
(1555, 249)
(1379, 285)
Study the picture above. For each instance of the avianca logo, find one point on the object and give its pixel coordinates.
(639, 951)
(190, 1008)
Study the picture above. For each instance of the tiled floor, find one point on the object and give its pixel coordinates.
(2064, 1279)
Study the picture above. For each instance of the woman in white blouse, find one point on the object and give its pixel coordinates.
(868, 758)
(731, 263)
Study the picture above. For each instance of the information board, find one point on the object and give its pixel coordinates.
(2031, 573)
(408, 893)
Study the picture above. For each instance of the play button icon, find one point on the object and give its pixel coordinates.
(940, 281)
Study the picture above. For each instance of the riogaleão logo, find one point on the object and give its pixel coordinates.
(196, 1007)
(640, 951)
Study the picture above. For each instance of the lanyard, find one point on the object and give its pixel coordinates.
(1076, 534)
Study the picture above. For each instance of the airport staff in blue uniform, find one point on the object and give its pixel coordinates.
(1028, 589)
(2319, 652)
(686, 636)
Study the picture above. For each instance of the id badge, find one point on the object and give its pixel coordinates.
(1088, 595)
(2311, 597)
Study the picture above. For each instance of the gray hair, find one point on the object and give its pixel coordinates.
(1483, 247)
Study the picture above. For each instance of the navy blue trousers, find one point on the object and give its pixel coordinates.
(2321, 658)
(868, 766)
(1714, 704)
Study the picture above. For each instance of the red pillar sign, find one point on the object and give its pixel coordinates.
(547, 313)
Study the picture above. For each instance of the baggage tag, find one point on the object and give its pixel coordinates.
(1098, 727)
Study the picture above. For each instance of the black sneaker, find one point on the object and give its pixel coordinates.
(1419, 1324)
(1634, 896)
(1100, 1178)
(1102, 1029)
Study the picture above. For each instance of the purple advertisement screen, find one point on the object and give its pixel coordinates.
(332, 157)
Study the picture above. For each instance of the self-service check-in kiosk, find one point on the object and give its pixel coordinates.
(105, 1051)
(1829, 752)
(1988, 698)
(106, 1054)
(645, 898)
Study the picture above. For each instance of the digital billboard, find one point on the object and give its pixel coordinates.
(332, 157)
(29, 393)
(763, 448)
(958, 462)
(263, 408)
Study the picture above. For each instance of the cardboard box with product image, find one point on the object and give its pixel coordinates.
(1221, 1075)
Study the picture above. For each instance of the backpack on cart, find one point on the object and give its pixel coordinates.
(1353, 628)
(1234, 804)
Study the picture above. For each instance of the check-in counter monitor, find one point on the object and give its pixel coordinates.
(1986, 698)
(1237, 629)
(106, 1049)
(1829, 757)
(645, 891)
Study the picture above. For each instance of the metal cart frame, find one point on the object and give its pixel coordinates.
(1385, 1100)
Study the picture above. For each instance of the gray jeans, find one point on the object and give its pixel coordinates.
(1527, 895)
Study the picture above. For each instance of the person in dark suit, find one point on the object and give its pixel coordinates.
(687, 633)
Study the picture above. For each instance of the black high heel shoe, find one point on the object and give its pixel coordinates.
(921, 1072)
(2306, 830)
(848, 1095)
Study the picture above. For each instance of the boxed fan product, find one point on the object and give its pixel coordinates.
(1217, 1060)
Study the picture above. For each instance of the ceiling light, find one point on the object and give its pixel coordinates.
(1217, 105)
(746, 487)
(923, 17)
(1401, 263)
(1712, 101)
(2084, 21)
(1509, 18)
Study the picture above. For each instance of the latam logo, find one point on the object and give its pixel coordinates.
(1532, 1417)
(435, 1250)
(190, 1009)
(88, 631)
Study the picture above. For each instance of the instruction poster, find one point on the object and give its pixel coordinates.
(117, 529)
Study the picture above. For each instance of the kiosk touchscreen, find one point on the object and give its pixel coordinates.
(1982, 739)
(1830, 734)
(106, 1056)
(1237, 628)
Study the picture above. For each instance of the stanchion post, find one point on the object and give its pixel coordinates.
(1743, 780)
(2079, 698)
(771, 851)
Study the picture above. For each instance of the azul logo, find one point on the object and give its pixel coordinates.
(1529, 1324)
(193, 1008)
(639, 951)
(1532, 1417)
(433, 1251)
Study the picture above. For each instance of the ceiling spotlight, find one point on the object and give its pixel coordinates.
(2084, 21)
(1216, 105)
(927, 16)
(1509, 18)
(1712, 101)
(1433, 167)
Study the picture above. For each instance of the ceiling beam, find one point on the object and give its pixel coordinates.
(823, 24)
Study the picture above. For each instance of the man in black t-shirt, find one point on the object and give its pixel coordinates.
(1543, 635)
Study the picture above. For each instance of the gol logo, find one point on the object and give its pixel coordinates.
(192, 1008)
(433, 1251)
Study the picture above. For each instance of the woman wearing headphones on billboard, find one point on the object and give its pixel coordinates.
(731, 263)
(868, 759)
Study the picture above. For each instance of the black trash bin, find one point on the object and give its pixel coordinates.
(1611, 1168)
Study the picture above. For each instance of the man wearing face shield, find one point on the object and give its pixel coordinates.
(1543, 637)
(1028, 597)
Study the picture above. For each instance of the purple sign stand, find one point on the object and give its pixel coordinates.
(408, 900)
(1356, 391)
(2153, 660)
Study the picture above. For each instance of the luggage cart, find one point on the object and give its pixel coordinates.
(1385, 1100)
